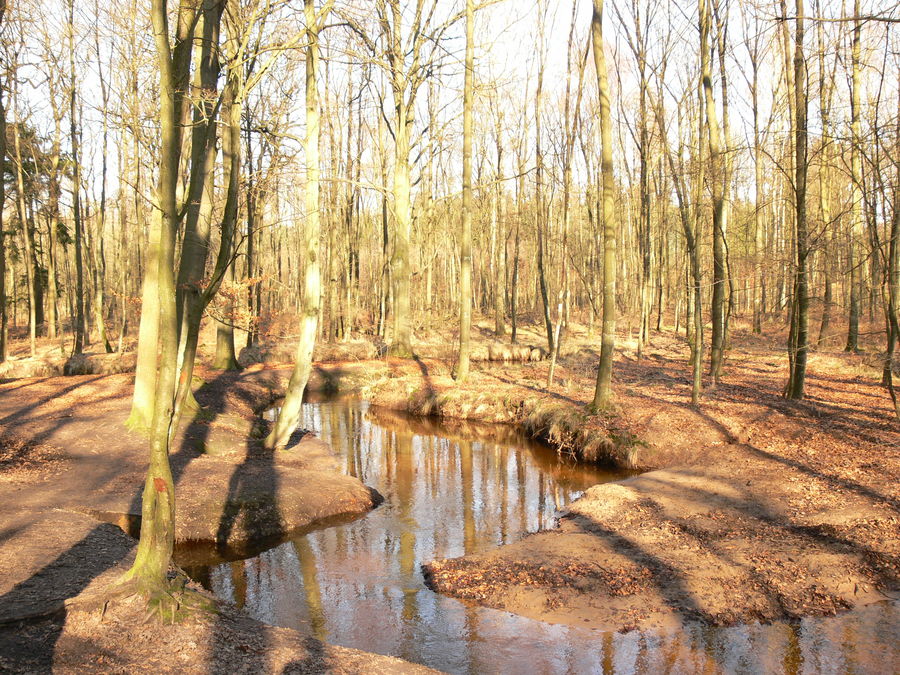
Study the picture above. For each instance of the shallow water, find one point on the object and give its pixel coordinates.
(455, 489)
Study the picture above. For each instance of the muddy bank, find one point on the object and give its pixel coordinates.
(68, 464)
(556, 420)
(229, 489)
(62, 636)
(688, 545)
(760, 509)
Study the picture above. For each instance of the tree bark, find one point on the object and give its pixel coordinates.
(799, 347)
(177, 71)
(717, 341)
(79, 328)
(465, 248)
(603, 391)
(856, 224)
(23, 223)
(3, 312)
(191, 297)
(157, 538)
(289, 416)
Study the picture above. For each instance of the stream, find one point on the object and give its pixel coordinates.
(458, 488)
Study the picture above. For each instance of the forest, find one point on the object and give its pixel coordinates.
(269, 265)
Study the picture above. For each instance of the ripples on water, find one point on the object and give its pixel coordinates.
(458, 489)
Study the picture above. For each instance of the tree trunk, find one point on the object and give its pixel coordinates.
(514, 280)
(225, 358)
(3, 313)
(500, 259)
(799, 347)
(289, 416)
(893, 296)
(856, 261)
(156, 543)
(717, 345)
(79, 328)
(465, 248)
(191, 298)
(143, 397)
(603, 391)
(23, 223)
(99, 248)
(541, 211)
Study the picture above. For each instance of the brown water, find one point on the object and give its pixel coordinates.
(455, 489)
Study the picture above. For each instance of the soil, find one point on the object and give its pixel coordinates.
(758, 508)
(752, 508)
(226, 641)
(68, 463)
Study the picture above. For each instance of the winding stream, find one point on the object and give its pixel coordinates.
(455, 489)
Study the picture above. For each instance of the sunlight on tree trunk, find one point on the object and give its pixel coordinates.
(465, 246)
(289, 416)
(798, 348)
(154, 551)
(603, 391)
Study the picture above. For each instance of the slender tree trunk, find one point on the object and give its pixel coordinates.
(289, 417)
(99, 249)
(191, 297)
(800, 346)
(514, 281)
(232, 108)
(465, 249)
(501, 256)
(758, 232)
(23, 223)
(603, 391)
(825, 185)
(541, 210)
(79, 328)
(254, 292)
(384, 295)
(54, 190)
(3, 312)
(856, 224)
(893, 296)
(717, 346)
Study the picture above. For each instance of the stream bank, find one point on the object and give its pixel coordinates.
(67, 464)
(793, 506)
(752, 508)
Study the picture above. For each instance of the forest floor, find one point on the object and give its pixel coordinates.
(751, 508)
(69, 469)
(757, 508)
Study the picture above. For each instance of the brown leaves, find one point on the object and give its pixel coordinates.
(470, 579)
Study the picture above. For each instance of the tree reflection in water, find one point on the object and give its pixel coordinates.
(454, 489)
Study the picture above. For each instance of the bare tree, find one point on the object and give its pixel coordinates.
(289, 416)
(603, 391)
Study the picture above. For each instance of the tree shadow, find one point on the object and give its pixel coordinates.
(747, 507)
(430, 390)
(252, 493)
(16, 416)
(32, 617)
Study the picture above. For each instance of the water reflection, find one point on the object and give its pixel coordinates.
(457, 489)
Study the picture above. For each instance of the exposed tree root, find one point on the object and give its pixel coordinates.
(168, 601)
